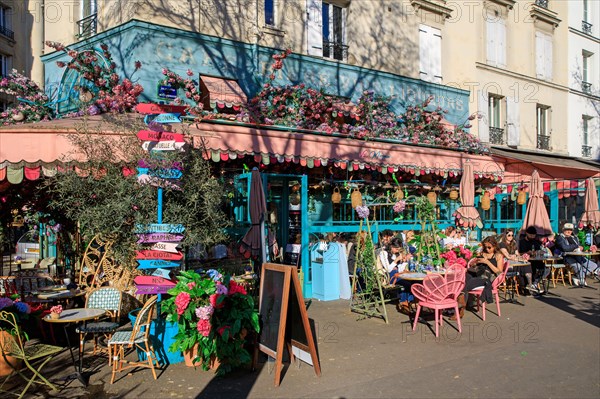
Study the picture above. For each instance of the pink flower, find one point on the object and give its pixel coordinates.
(182, 301)
(213, 301)
(203, 327)
(191, 285)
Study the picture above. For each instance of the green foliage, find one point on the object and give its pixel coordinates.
(366, 261)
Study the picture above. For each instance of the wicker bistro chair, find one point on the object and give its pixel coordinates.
(137, 338)
(11, 345)
(109, 299)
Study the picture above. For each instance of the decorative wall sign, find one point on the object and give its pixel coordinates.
(167, 91)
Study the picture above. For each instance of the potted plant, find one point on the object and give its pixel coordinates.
(214, 315)
(21, 311)
(55, 312)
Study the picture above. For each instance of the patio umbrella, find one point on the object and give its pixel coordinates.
(253, 242)
(591, 215)
(536, 214)
(467, 215)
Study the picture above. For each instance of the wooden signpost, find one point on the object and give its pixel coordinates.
(145, 264)
(284, 319)
(159, 255)
(158, 237)
(154, 109)
(150, 135)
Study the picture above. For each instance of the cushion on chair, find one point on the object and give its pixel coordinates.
(124, 337)
(98, 327)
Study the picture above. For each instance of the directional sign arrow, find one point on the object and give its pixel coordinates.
(158, 182)
(162, 146)
(150, 135)
(151, 289)
(153, 280)
(163, 173)
(145, 264)
(159, 228)
(158, 237)
(154, 109)
(165, 247)
(158, 255)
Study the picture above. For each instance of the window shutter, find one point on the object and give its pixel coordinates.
(539, 55)
(501, 42)
(483, 123)
(314, 28)
(548, 59)
(513, 134)
(435, 56)
(424, 69)
(491, 40)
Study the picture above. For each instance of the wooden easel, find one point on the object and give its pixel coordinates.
(284, 319)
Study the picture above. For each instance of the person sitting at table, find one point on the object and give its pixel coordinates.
(509, 249)
(459, 237)
(407, 237)
(567, 242)
(530, 245)
(449, 241)
(486, 267)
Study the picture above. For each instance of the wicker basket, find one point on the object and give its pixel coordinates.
(485, 201)
(336, 197)
(356, 198)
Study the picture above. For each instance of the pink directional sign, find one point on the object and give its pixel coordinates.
(159, 237)
(153, 280)
(149, 135)
(151, 289)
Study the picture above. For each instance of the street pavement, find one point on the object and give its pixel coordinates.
(549, 348)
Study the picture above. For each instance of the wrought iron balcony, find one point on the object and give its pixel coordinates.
(586, 151)
(87, 26)
(7, 32)
(586, 87)
(586, 27)
(542, 3)
(337, 51)
(496, 135)
(543, 142)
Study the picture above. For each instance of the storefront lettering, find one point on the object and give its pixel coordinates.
(373, 154)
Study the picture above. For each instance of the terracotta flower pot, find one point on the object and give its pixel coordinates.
(7, 368)
(189, 356)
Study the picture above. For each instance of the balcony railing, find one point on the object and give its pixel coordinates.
(496, 135)
(87, 26)
(586, 27)
(586, 151)
(543, 142)
(542, 3)
(586, 87)
(337, 51)
(7, 32)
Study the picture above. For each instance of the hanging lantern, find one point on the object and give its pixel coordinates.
(356, 198)
(398, 194)
(453, 194)
(485, 201)
(522, 197)
(432, 197)
(336, 197)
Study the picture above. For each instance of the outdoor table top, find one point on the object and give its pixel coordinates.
(65, 294)
(75, 315)
(552, 258)
(582, 253)
(413, 276)
(517, 263)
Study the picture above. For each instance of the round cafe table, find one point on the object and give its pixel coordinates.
(588, 255)
(516, 264)
(548, 262)
(416, 276)
(67, 317)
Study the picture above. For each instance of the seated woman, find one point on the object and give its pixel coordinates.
(395, 261)
(487, 266)
(509, 249)
(449, 241)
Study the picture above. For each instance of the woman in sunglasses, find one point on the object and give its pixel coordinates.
(485, 268)
(510, 249)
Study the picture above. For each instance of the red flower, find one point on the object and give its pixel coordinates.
(221, 330)
(235, 288)
(213, 301)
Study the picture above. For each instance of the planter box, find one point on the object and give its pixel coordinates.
(162, 334)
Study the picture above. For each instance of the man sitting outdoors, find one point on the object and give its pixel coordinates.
(567, 242)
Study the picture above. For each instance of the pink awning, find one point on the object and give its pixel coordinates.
(218, 93)
(267, 144)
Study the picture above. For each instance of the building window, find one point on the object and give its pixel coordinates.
(88, 24)
(543, 127)
(496, 41)
(586, 149)
(334, 30)
(543, 56)
(270, 12)
(5, 64)
(430, 54)
(495, 119)
(5, 23)
(585, 11)
(586, 86)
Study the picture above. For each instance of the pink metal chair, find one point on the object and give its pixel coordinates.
(438, 293)
(495, 284)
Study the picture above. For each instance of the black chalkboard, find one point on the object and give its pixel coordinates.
(273, 285)
(295, 330)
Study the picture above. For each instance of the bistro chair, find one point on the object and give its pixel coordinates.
(557, 273)
(11, 345)
(137, 338)
(495, 284)
(438, 293)
(109, 299)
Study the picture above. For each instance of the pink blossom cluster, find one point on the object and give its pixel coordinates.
(203, 326)
(181, 302)
(204, 312)
(189, 86)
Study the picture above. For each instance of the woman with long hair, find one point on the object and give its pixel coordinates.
(510, 249)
